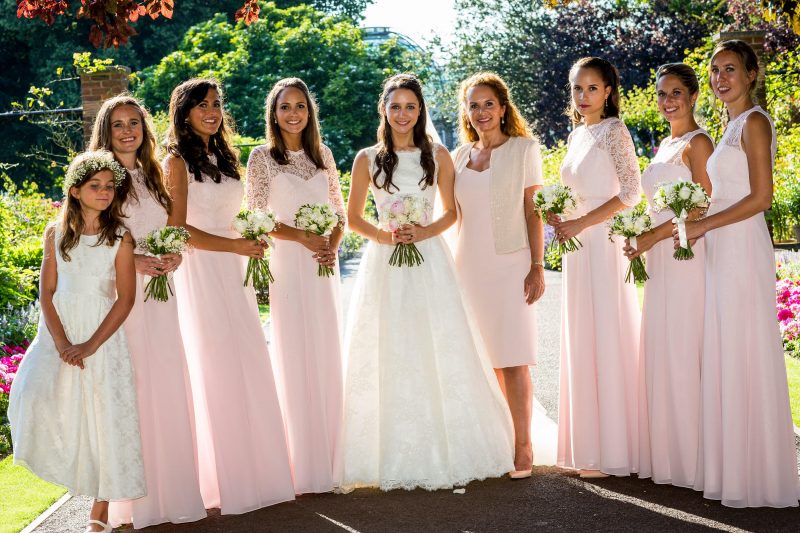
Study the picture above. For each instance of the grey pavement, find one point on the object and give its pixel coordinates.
(552, 500)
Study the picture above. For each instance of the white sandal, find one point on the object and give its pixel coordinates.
(106, 527)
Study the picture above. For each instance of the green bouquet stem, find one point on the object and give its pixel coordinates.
(324, 271)
(405, 255)
(570, 245)
(636, 268)
(258, 270)
(684, 254)
(157, 289)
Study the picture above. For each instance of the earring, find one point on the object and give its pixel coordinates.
(606, 104)
(502, 121)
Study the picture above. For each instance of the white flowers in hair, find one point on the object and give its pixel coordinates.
(88, 163)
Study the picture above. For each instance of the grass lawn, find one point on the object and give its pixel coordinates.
(263, 312)
(24, 496)
(793, 373)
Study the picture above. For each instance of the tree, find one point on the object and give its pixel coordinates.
(327, 52)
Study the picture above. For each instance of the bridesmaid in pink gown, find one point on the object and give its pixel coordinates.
(597, 414)
(672, 314)
(747, 443)
(292, 169)
(163, 392)
(243, 458)
(499, 259)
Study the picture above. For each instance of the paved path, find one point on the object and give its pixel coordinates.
(551, 500)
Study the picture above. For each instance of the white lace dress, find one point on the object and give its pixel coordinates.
(79, 427)
(422, 404)
(305, 312)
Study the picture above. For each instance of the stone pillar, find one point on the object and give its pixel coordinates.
(756, 40)
(97, 87)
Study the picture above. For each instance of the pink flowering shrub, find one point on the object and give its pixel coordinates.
(787, 300)
(10, 358)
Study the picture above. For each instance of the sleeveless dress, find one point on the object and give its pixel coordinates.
(164, 394)
(79, 428)
(599, 313)
(422, 405)
(305, 312)
(672, 338)
(747, 443)
(241, 444)
(492, 282)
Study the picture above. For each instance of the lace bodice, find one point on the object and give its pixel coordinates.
(727, 166)
(406, 176)
(667, 166)
(145, 213)
(212, 206)
(600, 163)
(264, 175)
(90, 270)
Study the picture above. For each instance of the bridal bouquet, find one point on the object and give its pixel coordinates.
(681, 197)
(557, 200)
(255, 225)
(166, 240)
(397, 211)
(631, 223)
(319, 219)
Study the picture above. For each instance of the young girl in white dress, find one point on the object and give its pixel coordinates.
(72, 408)
(422, 405)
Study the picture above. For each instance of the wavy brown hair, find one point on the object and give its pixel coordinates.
(512, 124)
(311, 138)
(146, 155)
(71, 217)
(610, 75)
(386, 159)
(183, 142)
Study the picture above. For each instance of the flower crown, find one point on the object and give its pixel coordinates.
(90, 162)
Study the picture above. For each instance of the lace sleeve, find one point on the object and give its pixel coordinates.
(334, 187)
(259, 179)
(620, 145)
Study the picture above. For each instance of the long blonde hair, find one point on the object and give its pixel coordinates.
(512, 124)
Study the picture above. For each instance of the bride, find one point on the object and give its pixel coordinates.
(422, 405)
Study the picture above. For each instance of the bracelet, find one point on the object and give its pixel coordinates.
(537, 263)
(378, 235)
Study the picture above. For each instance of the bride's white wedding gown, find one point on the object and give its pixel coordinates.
(422, 404)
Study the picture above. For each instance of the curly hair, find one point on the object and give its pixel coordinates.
(512, 124)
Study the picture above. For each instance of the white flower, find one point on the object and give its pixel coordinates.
(698, 196)
(685, 193)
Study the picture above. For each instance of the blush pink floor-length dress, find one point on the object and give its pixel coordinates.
(305, 312)
(242, 452)
(747, 443)
(672, 339)
(600, 314)
(163, 391)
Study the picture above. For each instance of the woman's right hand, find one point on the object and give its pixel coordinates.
(553, 219)
(316, 243)
(148, 265)
(248, 248)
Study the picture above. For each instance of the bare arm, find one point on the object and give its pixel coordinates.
(126, 296)
(534, 281)
(48, 280)
(359, 187)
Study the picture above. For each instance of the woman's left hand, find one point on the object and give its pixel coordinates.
(534, 284)
(326, 257)
(694, 230)
(568, 229)
(644, 242)
(411, 233)
(171, 262)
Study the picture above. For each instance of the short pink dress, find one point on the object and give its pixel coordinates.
(241, 441)
(597, 413)
(672, 339)
(163, 391)
(747, 442)
(493, 283)
(305, 311)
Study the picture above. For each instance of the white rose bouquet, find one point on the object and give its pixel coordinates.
(166, 240)
(557, 200)
(255, 225)
(319, 219)
(631, 223)
(681, 197)
(397, 211)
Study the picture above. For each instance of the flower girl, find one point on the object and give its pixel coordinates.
(72, 409)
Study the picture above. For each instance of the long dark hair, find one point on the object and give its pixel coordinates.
(610, 76)
(146, 155)
(311, 137)
(183, 142)
(386, 159)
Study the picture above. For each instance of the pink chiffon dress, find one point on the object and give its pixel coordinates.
(600, 314)
(163, 391)
(672, 338)
(241, 442)
(305, 311)
(747, 443)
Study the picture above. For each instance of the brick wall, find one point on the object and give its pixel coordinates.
(97, 87)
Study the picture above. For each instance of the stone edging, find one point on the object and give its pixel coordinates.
(50, 510)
